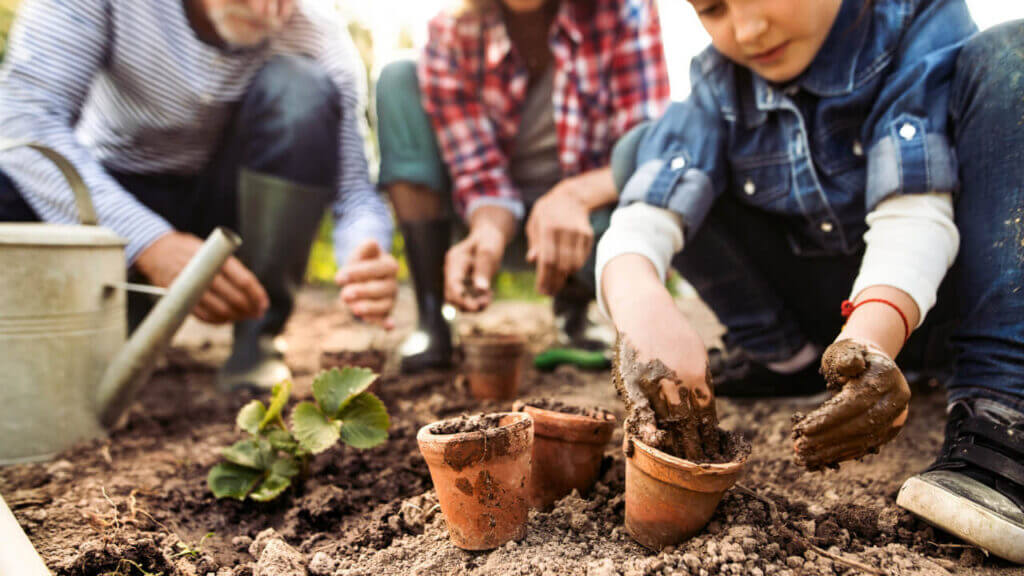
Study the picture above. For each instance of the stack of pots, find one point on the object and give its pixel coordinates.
(493, 365)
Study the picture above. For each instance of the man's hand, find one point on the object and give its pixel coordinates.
(369, 284)
(560, 237)
(868, 410)
(470, 264)
(235, 293)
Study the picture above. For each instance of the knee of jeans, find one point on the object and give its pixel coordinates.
(623, 159)
(294, 101)
(398, 86)
(996, 54)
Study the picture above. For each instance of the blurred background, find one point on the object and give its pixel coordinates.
(385, 30)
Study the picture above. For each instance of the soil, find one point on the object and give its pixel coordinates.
(466, 423)
(545, 403)
(138, 500)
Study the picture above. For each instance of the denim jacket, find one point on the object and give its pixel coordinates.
(866, 120)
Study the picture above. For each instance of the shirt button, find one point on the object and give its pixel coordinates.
(678, 163)
(907, 131)
(858, 149)
(826, 227)
(749, 188)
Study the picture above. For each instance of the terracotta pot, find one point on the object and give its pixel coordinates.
(669, 499)
(480, 478)
(493, 365)
(370, 358)
(567, 453)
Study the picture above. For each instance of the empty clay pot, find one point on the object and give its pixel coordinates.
(567, 452)
(493, 365)
(669, 499)
(480, 478)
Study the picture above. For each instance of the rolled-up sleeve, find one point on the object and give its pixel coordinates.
(680, 159)
(910, 150)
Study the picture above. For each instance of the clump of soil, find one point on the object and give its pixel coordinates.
(369, 358)
(558, 406)
(665, 413)
(466, 423)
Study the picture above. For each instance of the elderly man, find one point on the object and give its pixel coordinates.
(184, 115)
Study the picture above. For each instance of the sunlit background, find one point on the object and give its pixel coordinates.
(398, 25)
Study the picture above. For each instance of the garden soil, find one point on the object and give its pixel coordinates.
(137, 503)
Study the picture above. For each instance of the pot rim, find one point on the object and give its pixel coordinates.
(496, 340)
(683, 472)
(569, 427)
(518, 425)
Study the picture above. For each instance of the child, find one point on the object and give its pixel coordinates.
(837, 149)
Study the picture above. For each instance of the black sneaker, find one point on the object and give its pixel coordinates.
(975, 490)
(737, 375)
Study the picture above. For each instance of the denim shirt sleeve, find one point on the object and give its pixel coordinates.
(680, 159)
(910, 150)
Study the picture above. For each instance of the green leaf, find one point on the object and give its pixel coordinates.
(227, 480)
(250, 416)
(286, 467)
(248, 453)
(364, 422)
(281, 440)
(335, 388)
(271, 488)
(278, 399)
(312, 429)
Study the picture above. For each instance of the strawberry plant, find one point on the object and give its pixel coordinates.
(263, 466)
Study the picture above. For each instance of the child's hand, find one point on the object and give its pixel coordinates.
(868, 409)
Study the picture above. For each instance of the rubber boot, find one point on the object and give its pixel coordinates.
(575, 328)
(430, 346)
(278, 222)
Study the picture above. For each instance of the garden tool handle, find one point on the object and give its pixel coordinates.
(83, 200)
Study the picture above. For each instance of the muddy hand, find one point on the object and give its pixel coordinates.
(868, 409)
(664, 412)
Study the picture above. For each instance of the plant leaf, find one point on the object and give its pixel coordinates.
(247, 453)
(312, 429)
(250, 416)
(281, 440)
(271, 488)
(278, 399)
(335, 388)
(227, 480)
(285, 466)
(364, 421)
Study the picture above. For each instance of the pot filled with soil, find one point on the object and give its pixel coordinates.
(679, 463)
(568, 446)
(493, 365)
(480, 466)
(353, 347)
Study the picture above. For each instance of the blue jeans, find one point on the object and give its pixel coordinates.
(286, 126)
(773, 301)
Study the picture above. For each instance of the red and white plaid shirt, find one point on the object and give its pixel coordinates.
(609, 76)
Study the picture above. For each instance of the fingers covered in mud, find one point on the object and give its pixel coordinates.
(868, 411)
(664, 412)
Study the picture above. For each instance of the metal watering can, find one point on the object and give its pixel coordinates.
(66, 371)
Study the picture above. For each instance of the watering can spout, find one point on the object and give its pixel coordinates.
(134, 362)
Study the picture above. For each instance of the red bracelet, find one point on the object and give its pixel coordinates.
(848, 308)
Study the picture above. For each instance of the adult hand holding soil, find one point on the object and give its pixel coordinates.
(660, 363)
(868, 409)
(369, 284)
(470, 264)
(235, 293)
(559, 237)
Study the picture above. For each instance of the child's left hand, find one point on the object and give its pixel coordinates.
(868, 409)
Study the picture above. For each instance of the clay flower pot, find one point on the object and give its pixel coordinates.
(669, 499)
(493, 365)
(480, 478)
(567, 452)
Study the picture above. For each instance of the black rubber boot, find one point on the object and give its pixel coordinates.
(430, 346)
(572, 320)
(278, 221)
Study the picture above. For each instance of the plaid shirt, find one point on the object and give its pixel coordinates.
(609, 76)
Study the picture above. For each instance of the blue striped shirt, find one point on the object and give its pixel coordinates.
(126, 86)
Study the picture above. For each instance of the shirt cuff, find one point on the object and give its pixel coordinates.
(910, 244)
(513, 205)
(673, 185)
(909, 160)
(652, 232)
(348, 236)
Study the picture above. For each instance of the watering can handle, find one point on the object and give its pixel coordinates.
(83, 200)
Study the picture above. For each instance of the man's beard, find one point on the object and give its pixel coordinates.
(238, 26)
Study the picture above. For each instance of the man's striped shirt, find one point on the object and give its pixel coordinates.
(127, 86)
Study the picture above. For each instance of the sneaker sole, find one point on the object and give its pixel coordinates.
(963, 518)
